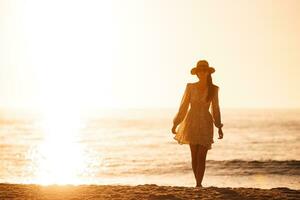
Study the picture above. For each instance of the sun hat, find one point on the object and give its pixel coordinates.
(202, 65)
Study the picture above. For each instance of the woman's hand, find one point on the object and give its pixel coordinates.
(174, 129)
(220, 133)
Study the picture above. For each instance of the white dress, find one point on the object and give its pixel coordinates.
(196, 123)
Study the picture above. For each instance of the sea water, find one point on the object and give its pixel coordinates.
(260, 148)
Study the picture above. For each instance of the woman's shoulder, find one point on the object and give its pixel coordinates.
(192, 84)
(215, 86)
(215, 89)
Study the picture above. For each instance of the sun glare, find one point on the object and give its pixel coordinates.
(70, 49)
(61, 158)
(72, 61)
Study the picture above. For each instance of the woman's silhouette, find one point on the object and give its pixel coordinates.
(196, 124)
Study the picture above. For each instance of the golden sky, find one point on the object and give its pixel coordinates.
(134, 53)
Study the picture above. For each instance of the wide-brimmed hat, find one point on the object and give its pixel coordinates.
(202, 65)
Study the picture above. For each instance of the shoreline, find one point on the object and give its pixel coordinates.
(146, 191)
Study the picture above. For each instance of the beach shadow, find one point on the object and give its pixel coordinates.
(163, 197)
(229, 193)
(291, 194)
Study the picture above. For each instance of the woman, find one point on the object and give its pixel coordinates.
(196, 124)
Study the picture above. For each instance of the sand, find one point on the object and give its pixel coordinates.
(148, 191)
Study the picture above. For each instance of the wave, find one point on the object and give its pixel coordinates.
(244, 167)
(219, 168)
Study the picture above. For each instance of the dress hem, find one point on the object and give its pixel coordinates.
(181, 143)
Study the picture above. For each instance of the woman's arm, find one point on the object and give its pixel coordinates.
(216, 109)
(184, 105)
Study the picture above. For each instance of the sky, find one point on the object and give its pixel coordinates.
(134, 53)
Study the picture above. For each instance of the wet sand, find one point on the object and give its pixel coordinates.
(148, 191)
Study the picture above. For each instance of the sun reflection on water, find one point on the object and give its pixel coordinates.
(61, 157)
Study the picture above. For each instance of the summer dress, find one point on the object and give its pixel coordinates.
(194, 119)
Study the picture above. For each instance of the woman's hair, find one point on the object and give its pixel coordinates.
(211, 88)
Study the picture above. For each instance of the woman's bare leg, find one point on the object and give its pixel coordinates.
(201, 158)
(194, 155)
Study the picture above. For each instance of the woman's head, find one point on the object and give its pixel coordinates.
(202, 66)
(203, 72)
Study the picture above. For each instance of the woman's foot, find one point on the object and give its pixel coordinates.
(198, 186)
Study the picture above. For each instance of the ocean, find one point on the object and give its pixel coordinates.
(260, 148)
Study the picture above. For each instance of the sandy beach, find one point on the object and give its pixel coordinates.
(148, 191)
